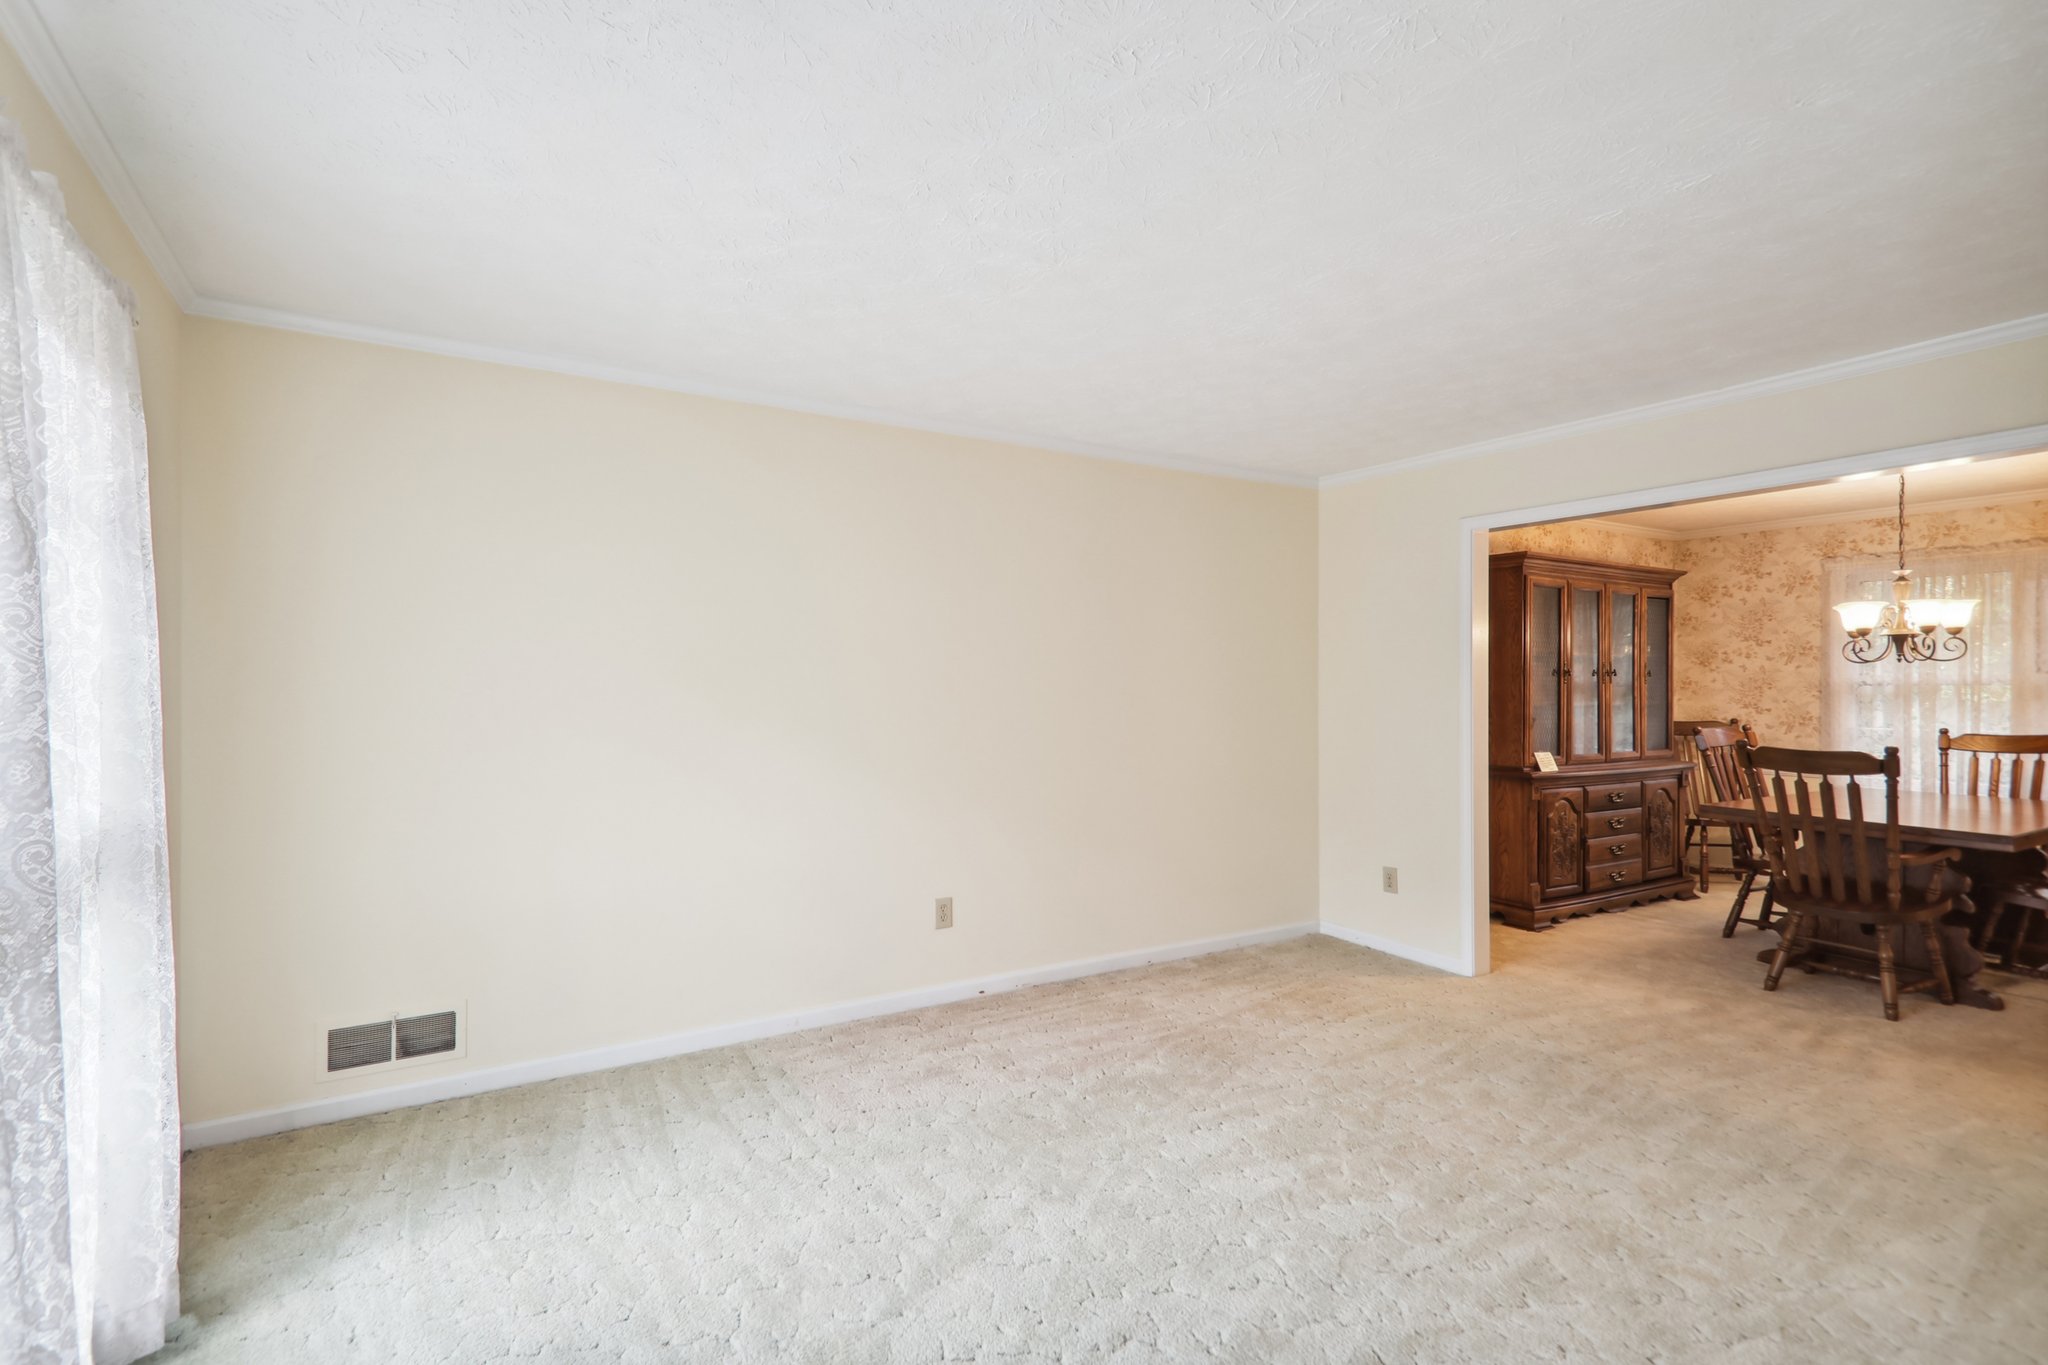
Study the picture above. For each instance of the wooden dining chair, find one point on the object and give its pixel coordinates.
(1828, 859)
(1726, 781)
(2003, 767)
(1685, 738)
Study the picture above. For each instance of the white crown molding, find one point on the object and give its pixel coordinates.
(262, 1123)
(23, 27)
(1960, 343)
(706, 388)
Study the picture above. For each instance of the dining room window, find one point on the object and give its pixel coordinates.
(1999, 687)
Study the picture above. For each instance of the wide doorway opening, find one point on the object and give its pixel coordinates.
(1612, 636)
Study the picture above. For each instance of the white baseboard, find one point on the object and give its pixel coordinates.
(1443, 962)
(264, 1122)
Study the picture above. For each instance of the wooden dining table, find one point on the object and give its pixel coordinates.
(1992, 832)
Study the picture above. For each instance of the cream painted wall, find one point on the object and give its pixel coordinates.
(157, 338)
(1391, 711)
(617, 712)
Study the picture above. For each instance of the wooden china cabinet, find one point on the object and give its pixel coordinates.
(1581, 671)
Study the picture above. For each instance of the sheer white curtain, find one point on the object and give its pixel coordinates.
(2000, 686)
(88, 1101)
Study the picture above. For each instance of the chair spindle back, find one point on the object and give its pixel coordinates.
(1816, 835)
(1720, 761)
(1999, 764)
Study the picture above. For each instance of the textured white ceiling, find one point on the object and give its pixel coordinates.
(1283, 235)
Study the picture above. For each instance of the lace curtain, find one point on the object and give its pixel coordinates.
(88, 1101)
(2000, 686)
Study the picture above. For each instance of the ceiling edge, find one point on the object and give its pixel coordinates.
(703, 388)
(1611, 523)
(1913, 509)
(1960, 343)
(23, 27)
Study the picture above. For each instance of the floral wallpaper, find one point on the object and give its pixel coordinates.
(1752, 625)
(1592, 540)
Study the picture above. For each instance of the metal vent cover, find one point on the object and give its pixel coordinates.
(422, 1035)
(358, 1045)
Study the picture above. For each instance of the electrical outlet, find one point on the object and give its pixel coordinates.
(944, 918)
(1390, 880)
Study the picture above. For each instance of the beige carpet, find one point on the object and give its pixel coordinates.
(1615, 1148)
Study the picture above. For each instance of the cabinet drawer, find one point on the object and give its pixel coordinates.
(1622, 795)
(1605, 824)
(1618, 848)
(1607, 876)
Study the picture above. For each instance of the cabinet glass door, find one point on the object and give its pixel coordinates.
(1546, 667)
(1621, 672)
(1656, 673)
(1584, 689)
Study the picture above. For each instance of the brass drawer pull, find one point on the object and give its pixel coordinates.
(1615, 822)
(1616, 798)
(1614, 850)
(1614, 876)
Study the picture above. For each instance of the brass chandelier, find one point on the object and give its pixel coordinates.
(1909, 629)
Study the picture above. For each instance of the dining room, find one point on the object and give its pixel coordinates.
(1799, 735)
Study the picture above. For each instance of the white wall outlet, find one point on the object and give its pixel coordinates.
(1390, 880)
(944, 918)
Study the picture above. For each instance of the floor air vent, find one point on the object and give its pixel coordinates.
(358, 1045)
(425, 1034)
(430, 1036)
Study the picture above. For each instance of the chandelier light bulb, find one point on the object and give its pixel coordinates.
(1859, 618)
(1909, 629)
